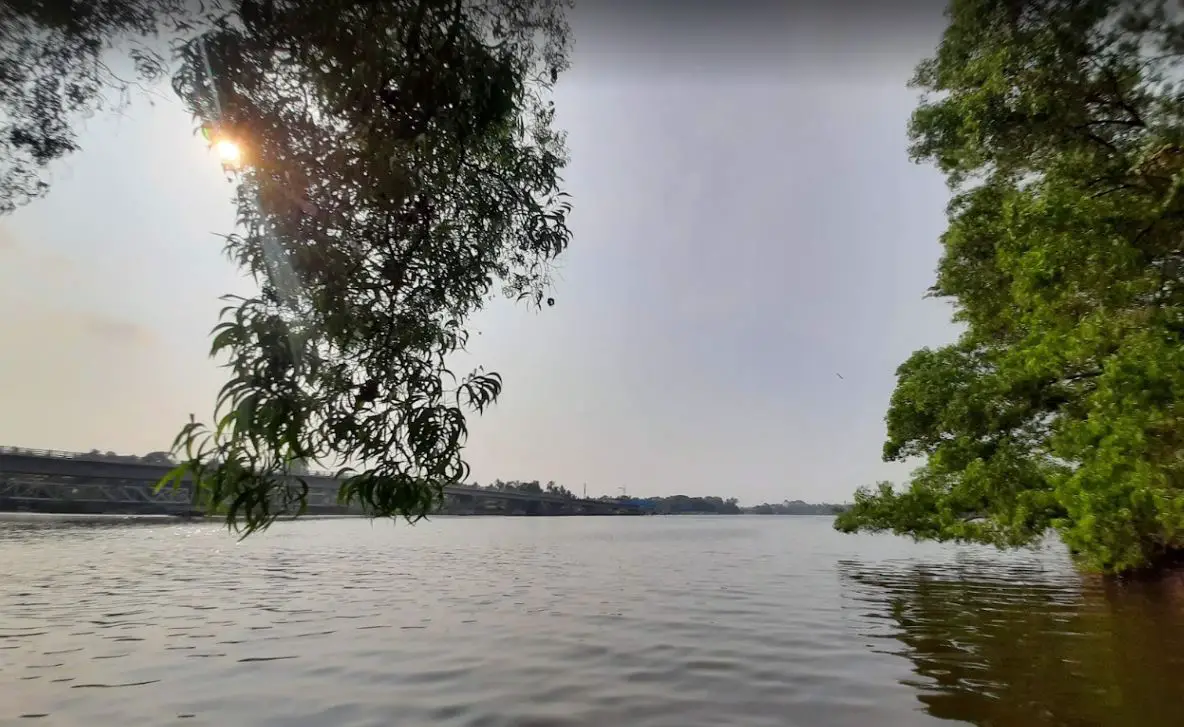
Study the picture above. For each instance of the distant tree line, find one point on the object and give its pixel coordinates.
(796, 507)
(161, 458)
(679, 504)
(533, 487)
(685, 504)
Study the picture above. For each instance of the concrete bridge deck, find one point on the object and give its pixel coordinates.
(51, 481)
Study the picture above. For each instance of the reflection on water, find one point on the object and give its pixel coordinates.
(569, 622)
(1029, 644)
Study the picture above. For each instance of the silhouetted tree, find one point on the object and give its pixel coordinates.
(399, 164)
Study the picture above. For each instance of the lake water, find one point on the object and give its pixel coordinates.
(568, 622)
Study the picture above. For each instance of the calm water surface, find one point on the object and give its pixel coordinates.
(570, 622)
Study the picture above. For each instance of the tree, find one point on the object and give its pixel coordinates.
(52, 68)
(1060, 127)
(399, 164)
(533, 487)
(554, 489)
(161, 458)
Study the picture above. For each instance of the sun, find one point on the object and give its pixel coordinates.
(228, 152)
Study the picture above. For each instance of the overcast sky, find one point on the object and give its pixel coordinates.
(748, 228)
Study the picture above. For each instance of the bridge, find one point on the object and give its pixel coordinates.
(49, 481)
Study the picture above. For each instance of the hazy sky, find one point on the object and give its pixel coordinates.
(747, 226)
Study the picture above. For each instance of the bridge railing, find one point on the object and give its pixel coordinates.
(58, 454)
(119, 459)
(131, 459)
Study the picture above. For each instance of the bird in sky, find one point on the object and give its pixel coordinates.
(839, 375)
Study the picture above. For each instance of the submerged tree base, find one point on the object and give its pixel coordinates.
(1169, 565)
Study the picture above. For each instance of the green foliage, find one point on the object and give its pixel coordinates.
(399, 166)
(686, 504)
(401, 162)
(1060, 126)
(794, 507)
(532, 487)
(52, 68)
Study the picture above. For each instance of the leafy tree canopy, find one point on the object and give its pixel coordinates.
(399, 166)
(1060, 127)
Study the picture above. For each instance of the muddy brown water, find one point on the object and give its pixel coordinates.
(568, 622)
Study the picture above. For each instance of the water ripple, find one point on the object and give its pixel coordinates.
(569, 622)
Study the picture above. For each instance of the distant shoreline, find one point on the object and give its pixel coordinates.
(162, 519)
